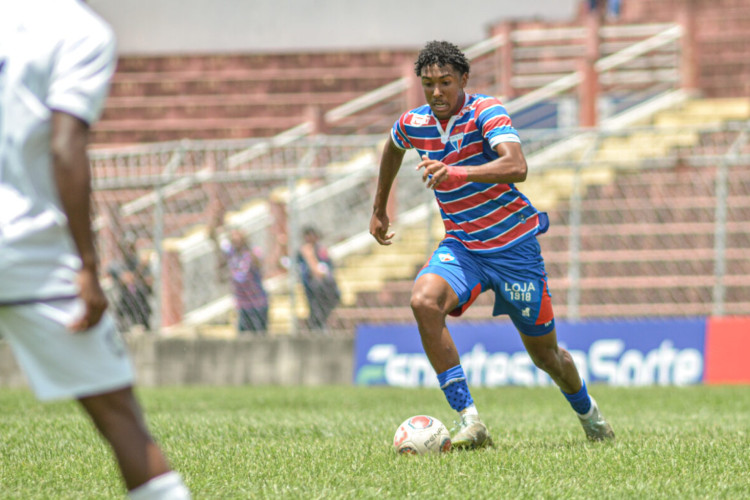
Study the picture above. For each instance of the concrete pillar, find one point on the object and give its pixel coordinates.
(216, 206)
(316, 116)
(172, 307)
(504, 60)
(588, 94)
(588, 90)
(689, 75)
(414, 96)
(278, 238)
(108, 237)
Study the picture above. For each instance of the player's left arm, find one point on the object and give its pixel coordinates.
(78, 85)
(70, 163)
(509, 167)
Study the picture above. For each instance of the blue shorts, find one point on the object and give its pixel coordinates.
(516, 275)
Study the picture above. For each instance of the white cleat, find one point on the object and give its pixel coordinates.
(594, 424)
(472, 434)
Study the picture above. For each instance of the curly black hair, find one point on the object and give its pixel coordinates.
(441, 53)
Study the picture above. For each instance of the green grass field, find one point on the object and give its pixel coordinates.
(335, 442)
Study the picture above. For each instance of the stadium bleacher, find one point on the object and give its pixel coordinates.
(220, 96)
(164, 98)
(646, 241)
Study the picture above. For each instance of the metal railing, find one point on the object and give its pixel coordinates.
(657, 230)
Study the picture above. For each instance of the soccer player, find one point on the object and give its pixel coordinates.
(471, 159)
(56, 59)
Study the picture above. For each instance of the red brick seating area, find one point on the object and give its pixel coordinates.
(167, 98)
(647, 245)
(721, 35)
(222, 96)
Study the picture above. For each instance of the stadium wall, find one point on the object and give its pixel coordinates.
(682, 351)
(282, 361)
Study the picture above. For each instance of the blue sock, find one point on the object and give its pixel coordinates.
(580, 401)
(453, 384)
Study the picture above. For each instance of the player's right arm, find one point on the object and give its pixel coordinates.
(222, 259)
(307, 251)
(390, 163)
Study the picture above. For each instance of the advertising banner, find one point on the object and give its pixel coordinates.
(622, 353)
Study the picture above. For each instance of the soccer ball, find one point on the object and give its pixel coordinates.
(422, 434)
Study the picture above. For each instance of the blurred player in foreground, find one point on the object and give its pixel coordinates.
(471, 156)
(56, 59)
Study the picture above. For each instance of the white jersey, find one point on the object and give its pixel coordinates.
(55, 55)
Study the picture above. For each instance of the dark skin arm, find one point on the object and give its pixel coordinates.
(222, 260)
(509, 168)
(72, 175)
(390, 163)
(308, 253)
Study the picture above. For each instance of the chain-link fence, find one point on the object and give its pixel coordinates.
(645, 222)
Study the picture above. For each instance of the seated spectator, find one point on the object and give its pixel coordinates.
(612, 7)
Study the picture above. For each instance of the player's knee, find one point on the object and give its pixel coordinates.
(423, 304)
(547, 360)
(113, 410)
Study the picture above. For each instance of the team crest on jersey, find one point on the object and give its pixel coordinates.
(446, 257)
(419, 120)
(457, 139)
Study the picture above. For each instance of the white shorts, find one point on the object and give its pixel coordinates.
(59, 363)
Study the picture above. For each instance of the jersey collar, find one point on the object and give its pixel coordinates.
(445, 134)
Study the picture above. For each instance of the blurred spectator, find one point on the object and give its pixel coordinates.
(612, 7)
(243, 263)
(134, 282)
(320, 285)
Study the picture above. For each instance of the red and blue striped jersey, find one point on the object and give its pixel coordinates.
(482, 217)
